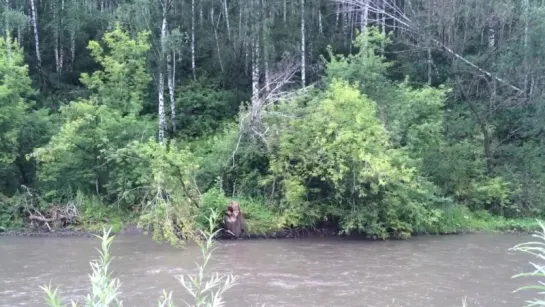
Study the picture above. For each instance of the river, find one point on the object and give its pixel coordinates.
(421, 271)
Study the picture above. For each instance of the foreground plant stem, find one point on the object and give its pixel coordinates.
(105, 289)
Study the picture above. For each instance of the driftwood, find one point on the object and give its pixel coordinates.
(234, 221)
(58, 215)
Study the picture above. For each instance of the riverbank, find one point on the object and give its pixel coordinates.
(131, 229)
(471, 226)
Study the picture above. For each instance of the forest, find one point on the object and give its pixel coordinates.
(386, 118)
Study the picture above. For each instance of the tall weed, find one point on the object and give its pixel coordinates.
(205, 291)
(536, 248)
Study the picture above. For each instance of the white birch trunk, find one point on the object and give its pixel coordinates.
(161, 86)
(267, 74)
(247, 46)
(171, 81)
(303, 67)
(162, 115)
(7, 26)
(526, 7)
(6, 20)
(212, 19)
(72, 47)
(55, 34)
(218, 48)
(491, 46)
(352, 19)
(34, 21)
(344, 16)
(383, 22)
(255, 81)
(61, 37)
(193, 69)
(255, 69)
(73, 38)
(247, 43)
(201, 14)
(364, 19)
(216, 25)
(429, 43)
(320, 25)
(226, 11)
(285, 14)
(337, 14)
(240, 20)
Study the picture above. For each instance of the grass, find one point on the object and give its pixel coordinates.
(537, 249)
(459, 219)
(262, 218)
(259, 215)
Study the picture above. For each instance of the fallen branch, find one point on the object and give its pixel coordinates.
(46, 220)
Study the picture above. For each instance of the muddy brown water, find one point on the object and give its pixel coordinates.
(422, 271)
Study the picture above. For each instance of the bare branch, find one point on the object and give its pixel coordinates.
(281, 76)
(396, 13)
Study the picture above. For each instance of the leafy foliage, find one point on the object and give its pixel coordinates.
(342, 154)
(15, 88)
(390, 135)
(203, 107)
(108, 120)
(168, 193)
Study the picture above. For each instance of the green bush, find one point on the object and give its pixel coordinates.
(259, 215)
(342, 155)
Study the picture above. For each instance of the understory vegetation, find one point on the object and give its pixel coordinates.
(312, 114)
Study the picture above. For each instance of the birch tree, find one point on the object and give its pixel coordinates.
(303, 42)
(193, 69)
(164, 4)
(34, 22)
(255, 12)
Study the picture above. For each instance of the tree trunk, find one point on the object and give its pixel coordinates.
(34, 21)
(72, 47)
(161, 85)
(320, 23)
(61, 37)
(337, 14)
(193, 69)
(226, 11)
(6, 19)
(285, 14)
(55, 34)
(267, 75)
(215, 25)
(429, 61)
(171, 82)
(201, 14)
(383, 24)
(256, 103)
(303, 60)
(364, 19)
(526, 5)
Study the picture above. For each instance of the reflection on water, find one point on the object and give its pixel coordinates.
(422, 271)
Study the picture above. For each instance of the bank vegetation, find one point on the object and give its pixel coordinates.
(377, 118)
